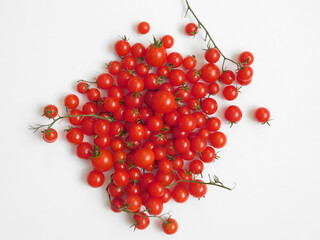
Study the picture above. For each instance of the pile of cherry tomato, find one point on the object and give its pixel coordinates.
(150, 120)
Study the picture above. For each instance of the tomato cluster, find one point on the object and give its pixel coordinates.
(150, 120)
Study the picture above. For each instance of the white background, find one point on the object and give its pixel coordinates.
(45, 46)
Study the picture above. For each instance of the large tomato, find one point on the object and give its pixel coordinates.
(156, 54)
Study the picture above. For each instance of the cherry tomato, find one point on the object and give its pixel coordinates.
(198, 189)
(129, 63)
(168, 41)
(208, 155)
(84, 150)
(75, 136)
(230, 92)
(115, 191)
(213, 124)
(196, 166)
(154, 205)
(142, 220)
(111, 104)
(212, 55)
(213, 88)
(104, 81)
(163, 102)
(137, 132)
(135, 84)
(50, 111)
(199, 90)
(233, 114)
(246, 58)
(143, 27)
(209, 106)
(227, 77)
(193, 76)
(134, 202)
(122, 47)
(82, 87)
(189, 62)
(71, 101)
(177, 77)
(191, 29)
(170, 226)
(182, 144)
(210, 72)
(50, 135)
(175, 59)
(180, 193)
(156, 189)
(262, 115)
(144, 157)
(155, 55)
(103, 161)
(218, 139)
(137, 50)
(114, 67)
(95, 179)
(245, 74)
(187, 123)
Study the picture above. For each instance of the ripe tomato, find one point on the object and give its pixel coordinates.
(246, 58)
(196, 166)
(156, 189)
(230, 93)
(137, 132)
(227, 77)
(142, 220)
(218, 139)
(115, 191)
(155, 55)
(103, 161)
(208, 155)
(199, 90)
(187, 123)
(210, 72)
(101, 127)
(155, 123)
(93, 94)
(233, 114)
(82, 87)
(137, 50)
(154, 205)
(189, 62)
(117, 204)
(50, 111)
(212, 55)
(104, 81)
(75, 136)
(129, 63)
(84, 150)
(175, 59)
(209, 106)
(198, 189)
(191, 29)
(168, 41)
(111, 104)
(120, 178)
(144, 157)
(142, 69)
(213, 88)
(163, 102)
(122, 47)
(245, 74)
(50, 135)
(95, 179)
(262, 115)
(198, 144)
(143, 27)
(193, 76)
(114, 67)
(134, 202)
(170, 226)
(71, 101)
(177, 77)
(180, 193)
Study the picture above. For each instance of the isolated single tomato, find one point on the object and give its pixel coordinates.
(143, 27)
(170, 226)
(191, 29)
(262, 115)
(95, 179)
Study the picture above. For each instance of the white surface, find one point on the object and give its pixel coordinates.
(45, 46)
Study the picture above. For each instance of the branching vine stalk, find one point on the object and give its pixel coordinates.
(211, 41)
